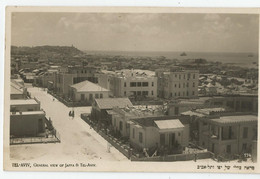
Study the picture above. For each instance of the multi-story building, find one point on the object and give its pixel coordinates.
(177, 83)
(72, 75)
(228, 135)
(26, 118)
(129, 83)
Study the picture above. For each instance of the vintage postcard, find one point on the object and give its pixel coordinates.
(131, 89)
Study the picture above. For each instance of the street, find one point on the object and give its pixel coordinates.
(78, 141)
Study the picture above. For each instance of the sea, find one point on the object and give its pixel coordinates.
(249, 60)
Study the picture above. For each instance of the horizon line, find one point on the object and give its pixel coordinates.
(133, 50)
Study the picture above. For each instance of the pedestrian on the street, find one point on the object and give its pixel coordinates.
(72, 114)
(53, 99)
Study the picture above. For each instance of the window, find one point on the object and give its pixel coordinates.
(101, 95)
(183, 85)
(152, 92)
(134, 93)
(162, 139)
(194, 76)
(188, 75)
(176, 110)
(245, 132)
(125, 93)
(120, 125)
(133, 84)
(96, 95)
(139, 93)
(179, 94)
(133, 133)
(179, 76)
(82, 97)
(193, 93)
(139, 84)
(152, 83)
(179, 85)
(175, 75)
(183, 94)
(145, 83)
(184, 76)
(187, 93)
(124, 84)
(175, 85)
(193, 84)
(187, 85)
(244, 146)
(140, 137)
(228, 150)
(175, 94)
(145, 93)
(90, 96)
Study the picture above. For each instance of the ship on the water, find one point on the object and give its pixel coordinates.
(183, 54)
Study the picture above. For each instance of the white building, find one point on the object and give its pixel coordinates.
(129, 83)
(178, 83)
(87, 91)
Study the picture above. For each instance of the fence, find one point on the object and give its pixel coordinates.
(177, 157)
(68, 103)
(119, 145)
(33, 140)
(128, 152)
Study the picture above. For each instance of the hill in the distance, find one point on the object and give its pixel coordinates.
(51, 50)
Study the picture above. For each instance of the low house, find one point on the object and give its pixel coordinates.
(100, 108)
(121, 117)
(86, 92)
(159, 133)
(25, 124)
(228, 135)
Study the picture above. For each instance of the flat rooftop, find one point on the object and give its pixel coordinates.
(235, 119)
(23, 102)
(28, 113)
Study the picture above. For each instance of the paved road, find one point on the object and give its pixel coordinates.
(78, 141)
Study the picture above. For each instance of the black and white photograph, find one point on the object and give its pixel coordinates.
(124, 90)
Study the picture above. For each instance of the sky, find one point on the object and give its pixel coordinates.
(138, 31)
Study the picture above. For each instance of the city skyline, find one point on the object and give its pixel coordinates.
(138, 32)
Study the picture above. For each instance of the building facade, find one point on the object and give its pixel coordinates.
(72, 75)
(228, 135)
(27, 124)
(129, 83)
(178, 83)
(86, 92)
(169, 135)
